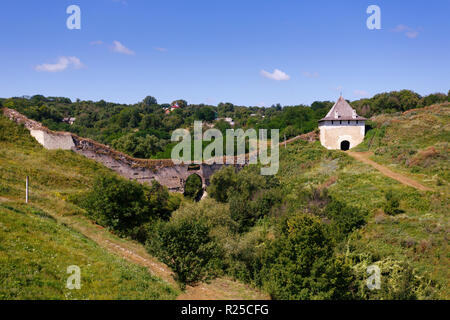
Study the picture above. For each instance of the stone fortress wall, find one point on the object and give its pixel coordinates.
(165, 171)
(171, 175)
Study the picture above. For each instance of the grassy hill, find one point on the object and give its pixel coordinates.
(414, 143)
(36, 249)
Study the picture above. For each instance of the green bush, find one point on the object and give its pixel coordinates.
(251, 196)
(300, 264)
(345, 219)
(186, 246)
(194, 187)
(221, 182)
(392, 204)
(126, 205)
(399, 281)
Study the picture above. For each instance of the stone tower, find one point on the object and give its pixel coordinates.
(341, 128)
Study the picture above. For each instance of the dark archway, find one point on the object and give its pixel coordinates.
(345, 145)
(193, 188)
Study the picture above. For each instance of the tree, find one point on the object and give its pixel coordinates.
(345, 219)
(221, 182)
(205, 114)
(222, 126)
(117, 203)
(148, 146)
(194, 187)
(149, 100)
(150, 121)
(181, 103)
(140, 147)
(186, 246)
(300, 263)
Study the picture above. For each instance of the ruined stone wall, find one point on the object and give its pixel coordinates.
(52, 141)
(142, 170)
(167, 173)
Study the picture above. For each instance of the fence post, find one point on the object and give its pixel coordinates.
(26, 191)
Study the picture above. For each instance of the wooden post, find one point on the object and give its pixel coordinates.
(26, 191)
(285, 141)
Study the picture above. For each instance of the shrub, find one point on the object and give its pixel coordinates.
(126, 205)
(300, 263)
(250, 195)
(399, 281)
(391, 207)
(345, 219)
(221, 182)
(194, 187)
(186, 246)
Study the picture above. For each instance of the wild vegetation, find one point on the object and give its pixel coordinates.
(310, 232)
(36, 248)
(144, 129)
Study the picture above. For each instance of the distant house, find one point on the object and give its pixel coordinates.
(69, 120)
(172, 108)
(229, 120)
(341, 128)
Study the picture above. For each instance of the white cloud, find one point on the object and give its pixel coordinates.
(407, 31)
(311, 74)
(62, 64)
(277, 75)
(412, 34)
(96, 43)
(400, 28)
(120, 48)
(161, 49)
(361, 93)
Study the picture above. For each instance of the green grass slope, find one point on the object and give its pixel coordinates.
(35, 249)
(415, 142)
(419, 235)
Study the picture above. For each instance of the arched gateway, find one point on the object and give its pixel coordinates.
(341, 128)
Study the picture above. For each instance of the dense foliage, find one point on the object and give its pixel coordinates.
(300, 264)
(126, 206)
(193, 188)
(186, 246)
(293, 235)
(144, 129)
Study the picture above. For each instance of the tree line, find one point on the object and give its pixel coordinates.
(144, 129)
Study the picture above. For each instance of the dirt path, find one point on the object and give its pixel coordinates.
(364, 157)
(218, 289)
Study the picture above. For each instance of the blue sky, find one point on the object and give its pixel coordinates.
(209, 51)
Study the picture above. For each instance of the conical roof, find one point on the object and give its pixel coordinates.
(342, 111)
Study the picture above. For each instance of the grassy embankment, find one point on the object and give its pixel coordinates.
(36, 246)
(415, 144)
